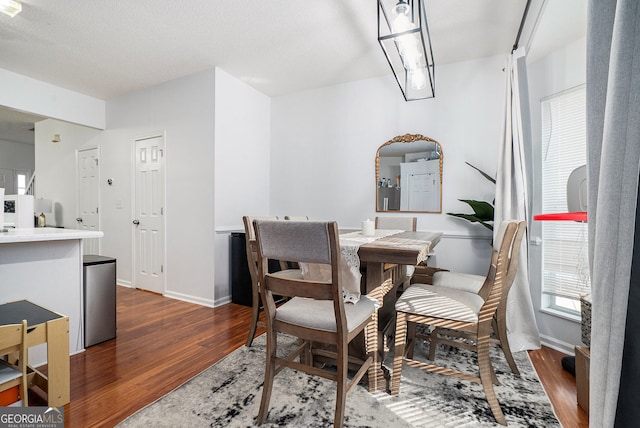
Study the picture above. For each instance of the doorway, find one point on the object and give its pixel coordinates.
(148, 222)
(88, 176)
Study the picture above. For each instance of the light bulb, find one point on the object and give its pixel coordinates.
(408, 43)
(401, 21)
(417, 78)
(408, 48)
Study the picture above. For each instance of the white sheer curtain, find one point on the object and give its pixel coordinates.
(511, 203)
(613, 144)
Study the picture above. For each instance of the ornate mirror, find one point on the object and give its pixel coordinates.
(409, 175)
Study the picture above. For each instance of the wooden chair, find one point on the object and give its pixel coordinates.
(316, 311)
(460, 311)
(296, 217)
(473, 284)
(399, 223)
(13, 367)
(252, 261)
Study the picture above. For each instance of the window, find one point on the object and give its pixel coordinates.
(21, 183)
(565, 273)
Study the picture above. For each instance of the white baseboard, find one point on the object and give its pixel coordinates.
(223, 301)
(124, 283)
(185, 297)
(190, 299)
(558, 345)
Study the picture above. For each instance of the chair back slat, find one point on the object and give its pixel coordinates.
(498, 270)
(250, 244)
(514, 256)
(299, 288)
(248, 225)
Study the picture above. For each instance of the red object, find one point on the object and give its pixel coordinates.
(574, 216)
(9, 396)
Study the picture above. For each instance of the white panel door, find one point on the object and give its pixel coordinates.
(420, 186)
(149, 215)
(422, 192)
(88, 163)
(8, 181)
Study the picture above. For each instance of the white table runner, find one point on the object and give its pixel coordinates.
(349, 263)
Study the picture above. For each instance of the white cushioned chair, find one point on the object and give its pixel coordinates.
(457, 311)
(473, 284)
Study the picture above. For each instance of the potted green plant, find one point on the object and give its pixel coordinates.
(483, 211)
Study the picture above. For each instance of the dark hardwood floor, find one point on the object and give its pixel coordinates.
(162, 342)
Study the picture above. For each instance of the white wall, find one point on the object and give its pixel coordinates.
(560, 70)
(56, 167)
(16, 155)
(37, 97)
(243, 120)
(324, 142)
(183, 111)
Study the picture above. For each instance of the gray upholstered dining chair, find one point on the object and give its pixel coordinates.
(316, 311)
(459, 312)
(473, 284)
(252, 262)
(398, 223)
(296, 217)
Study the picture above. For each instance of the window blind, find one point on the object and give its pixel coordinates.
(564, 243)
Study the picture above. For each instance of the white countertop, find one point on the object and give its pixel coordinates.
(46, 234)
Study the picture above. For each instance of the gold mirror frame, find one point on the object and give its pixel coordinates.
(408, 139)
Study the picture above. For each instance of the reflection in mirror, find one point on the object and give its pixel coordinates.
(409, 174)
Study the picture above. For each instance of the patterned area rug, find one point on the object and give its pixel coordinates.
(228, 394)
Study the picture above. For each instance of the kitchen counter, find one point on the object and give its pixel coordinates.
(46, 234)
(44, 265)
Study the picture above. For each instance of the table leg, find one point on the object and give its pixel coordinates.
(58, 365)
(376, 287)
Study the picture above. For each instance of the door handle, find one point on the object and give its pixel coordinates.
(79, 219)
(136, 222)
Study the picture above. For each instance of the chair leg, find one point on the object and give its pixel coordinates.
(500, 329)
(255, 313)
(433, 343)
(269, 373)
(411, 339)
(484, 364)
(398, 353)
(341, 389)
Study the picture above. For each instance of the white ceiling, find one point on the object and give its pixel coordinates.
(107, 48)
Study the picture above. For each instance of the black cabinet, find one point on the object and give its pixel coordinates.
(241, 292)
(239, 270)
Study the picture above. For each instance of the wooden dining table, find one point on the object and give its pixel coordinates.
(383, 263)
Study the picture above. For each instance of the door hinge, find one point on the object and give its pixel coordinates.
(161, 153)
(161, 268)
(161, 210)
(97, 210)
